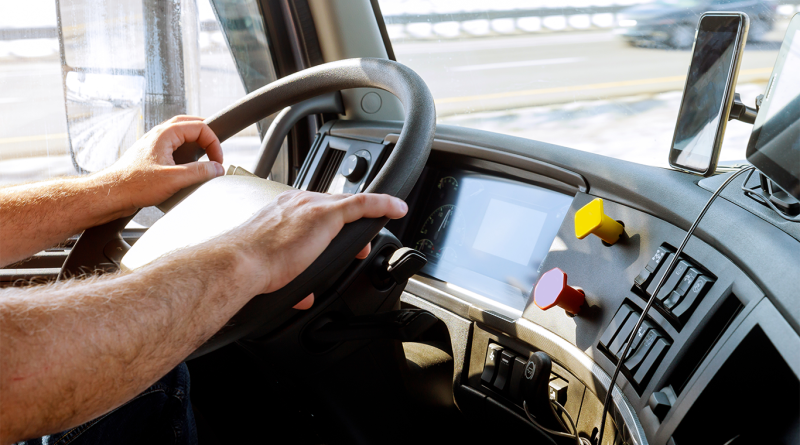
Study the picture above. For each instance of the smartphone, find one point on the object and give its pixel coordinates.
(708, 94)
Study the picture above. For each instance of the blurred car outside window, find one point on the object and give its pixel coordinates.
(595, 75)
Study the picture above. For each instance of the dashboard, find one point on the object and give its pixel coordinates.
(716, 360)
(493, 213)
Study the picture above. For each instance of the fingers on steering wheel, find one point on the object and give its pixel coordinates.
(368, 205)
(305, 303)
(200, 132)
(197, 171)
(364, 252)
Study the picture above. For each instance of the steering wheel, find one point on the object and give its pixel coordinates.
(227, 201)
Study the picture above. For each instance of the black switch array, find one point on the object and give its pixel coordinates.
(500, 368)
(648, 348)
(504, 371)
(683, 289)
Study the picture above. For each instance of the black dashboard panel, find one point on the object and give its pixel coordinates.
(747, 304)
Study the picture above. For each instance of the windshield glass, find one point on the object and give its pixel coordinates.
(600, 76)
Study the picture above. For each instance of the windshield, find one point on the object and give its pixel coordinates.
(600, 76)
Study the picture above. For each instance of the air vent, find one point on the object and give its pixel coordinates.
(328, 168)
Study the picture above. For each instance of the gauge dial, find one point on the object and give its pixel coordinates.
(446, 185)
(426, 247)
(436, 224)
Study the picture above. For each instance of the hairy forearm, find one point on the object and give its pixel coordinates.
(70, 352)
(39, 215)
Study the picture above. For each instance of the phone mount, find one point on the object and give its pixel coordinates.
(766, 191)
(742, 112)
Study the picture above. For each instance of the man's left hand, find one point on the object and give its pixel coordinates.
(146, 174)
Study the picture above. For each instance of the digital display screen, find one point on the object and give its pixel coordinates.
(775, 142)
(509, 231)
(704, 98)
(489, 235)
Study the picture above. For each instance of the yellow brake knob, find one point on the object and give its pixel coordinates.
(591, 219)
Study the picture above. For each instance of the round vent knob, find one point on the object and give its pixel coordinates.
(354, 168)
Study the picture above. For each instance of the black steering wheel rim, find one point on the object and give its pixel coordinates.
(397, 176)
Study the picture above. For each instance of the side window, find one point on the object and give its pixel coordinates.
(82, 80)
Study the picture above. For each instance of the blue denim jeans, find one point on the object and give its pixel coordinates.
(160, 415)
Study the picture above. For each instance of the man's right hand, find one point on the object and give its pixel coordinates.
(287, 235)
(114, 336)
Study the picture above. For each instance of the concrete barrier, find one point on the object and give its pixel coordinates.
(516, 21)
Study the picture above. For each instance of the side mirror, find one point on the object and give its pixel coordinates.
(114, 96)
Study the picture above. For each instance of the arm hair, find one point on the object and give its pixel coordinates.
(39, 215)
(72, 351)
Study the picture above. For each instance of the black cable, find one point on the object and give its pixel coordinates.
(652, 299)
(561, 408)
(544, 430)
(558, 417)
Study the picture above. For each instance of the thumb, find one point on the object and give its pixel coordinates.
(195, 172)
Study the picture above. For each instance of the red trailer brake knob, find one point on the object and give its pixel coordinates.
(553, 290)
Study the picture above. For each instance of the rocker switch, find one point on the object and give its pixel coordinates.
(504, 370)
(491, 364)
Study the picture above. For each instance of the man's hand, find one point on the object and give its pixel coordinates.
(146, 174)
(288, 234)
(37, 216)
(114, 336)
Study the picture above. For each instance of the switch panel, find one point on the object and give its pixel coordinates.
(683, 289)
(512, 373)
(648, 345)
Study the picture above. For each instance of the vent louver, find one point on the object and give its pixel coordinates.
(330, 166)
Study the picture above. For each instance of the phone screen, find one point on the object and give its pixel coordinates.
(704, 96)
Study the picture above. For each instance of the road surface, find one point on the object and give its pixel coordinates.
(466, 76)
(472, 75)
